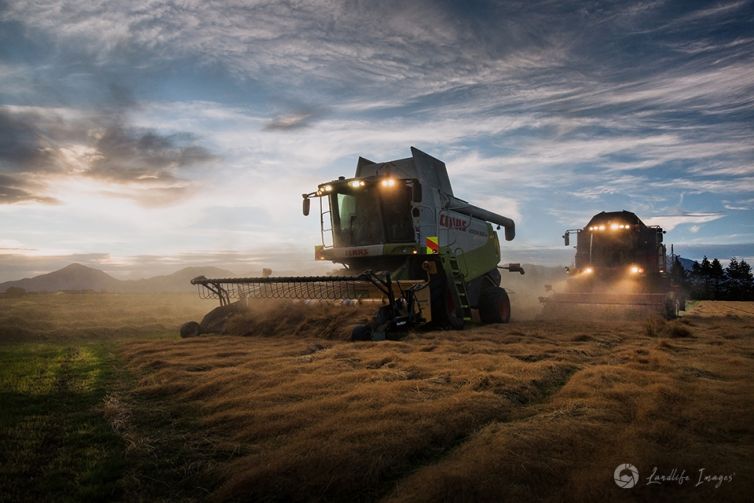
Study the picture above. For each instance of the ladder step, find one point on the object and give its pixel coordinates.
(460, 285)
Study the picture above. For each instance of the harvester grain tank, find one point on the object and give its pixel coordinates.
(621, 265)
(402, 236)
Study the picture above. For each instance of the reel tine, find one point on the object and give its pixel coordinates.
(302, 287)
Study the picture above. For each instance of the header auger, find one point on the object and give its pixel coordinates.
(428, 256)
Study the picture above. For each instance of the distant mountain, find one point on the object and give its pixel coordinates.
(81, 277)
(687, 263)
(72, 277)
(179, 281)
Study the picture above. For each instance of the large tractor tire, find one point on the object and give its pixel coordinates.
(672, 308)
(190, 329)
(215, 320)
(361, 333)
(444, 309)
(494, 305)
(455, 322)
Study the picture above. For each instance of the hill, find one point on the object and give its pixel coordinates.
(179, 281)
(81, 277)
(71, 277)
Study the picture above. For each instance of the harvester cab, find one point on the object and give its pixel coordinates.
(620, 262)
(402, 236)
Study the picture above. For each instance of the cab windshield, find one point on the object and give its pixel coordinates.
(371, 215)
(612, 249)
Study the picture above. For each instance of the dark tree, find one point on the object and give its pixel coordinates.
(739, 284)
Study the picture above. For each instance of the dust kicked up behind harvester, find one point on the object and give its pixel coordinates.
(404, 240)
(620, 269)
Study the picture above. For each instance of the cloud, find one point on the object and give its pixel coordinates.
(670, 222)
(129, 155)
(299, 116)
(10, 195)
(290, 121)
(40, 144)
(22, 144)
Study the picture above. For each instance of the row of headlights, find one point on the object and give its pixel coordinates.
(357, 184)
(612, 227)
(633, 269)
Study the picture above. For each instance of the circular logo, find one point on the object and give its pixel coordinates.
(626, 476)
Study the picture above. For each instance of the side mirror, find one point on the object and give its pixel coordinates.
(567, 238)
(516, 268)
(416, 192)
(513, 267)
(307, 206)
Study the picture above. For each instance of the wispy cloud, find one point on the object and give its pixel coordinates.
(670, 222)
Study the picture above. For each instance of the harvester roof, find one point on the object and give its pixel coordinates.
(606, 217)
(429, 171)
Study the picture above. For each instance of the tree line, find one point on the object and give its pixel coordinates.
(709, 280)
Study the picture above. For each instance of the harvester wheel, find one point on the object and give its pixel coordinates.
(494, 306)
(214, 321)
(444, 313)
(455, 322)
(361, 333)
(190, 329)
(672, 308)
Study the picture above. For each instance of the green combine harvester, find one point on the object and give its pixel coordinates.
(402, 238)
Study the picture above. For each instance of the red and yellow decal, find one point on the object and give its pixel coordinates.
(433, 245)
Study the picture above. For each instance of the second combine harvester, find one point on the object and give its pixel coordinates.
(403, 237)
(620, 269)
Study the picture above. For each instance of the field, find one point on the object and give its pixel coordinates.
(99, 399)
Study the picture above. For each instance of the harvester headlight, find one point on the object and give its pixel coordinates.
(589, 270)
(635, 269)
(615, 227)
(388, 182)
(356, 183)
(601, 227)
(328, 188)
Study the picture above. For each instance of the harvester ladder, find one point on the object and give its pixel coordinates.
(460, 284)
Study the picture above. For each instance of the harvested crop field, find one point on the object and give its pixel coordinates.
(533, 410)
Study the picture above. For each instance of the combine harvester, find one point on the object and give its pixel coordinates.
(405, 240)
(620, 269)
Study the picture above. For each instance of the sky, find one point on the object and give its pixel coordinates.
(141, 137)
